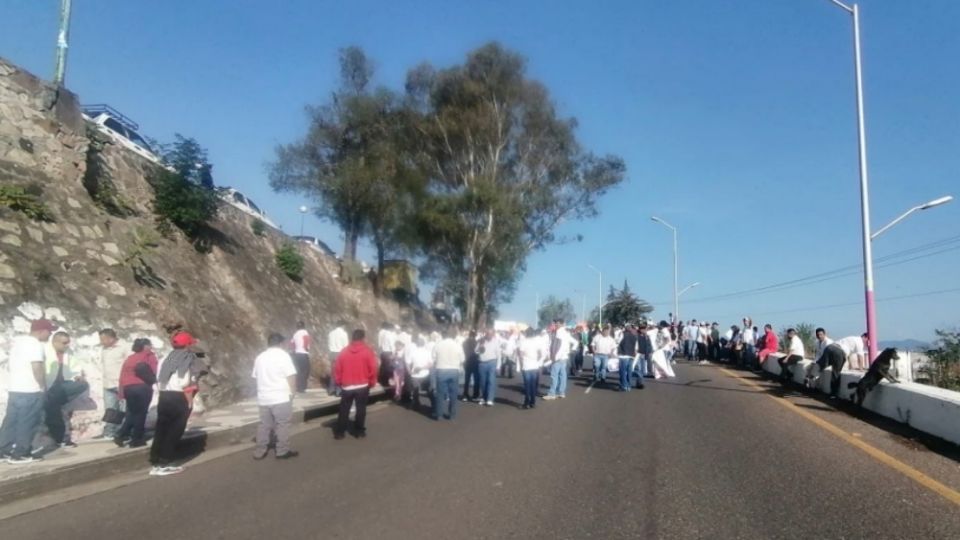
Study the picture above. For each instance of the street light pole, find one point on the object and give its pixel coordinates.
(676, 268)
(926, 206)
(303, 213)
(63, 35)
(600, 297)
(688, 287)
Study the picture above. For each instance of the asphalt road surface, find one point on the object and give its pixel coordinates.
(705, 455)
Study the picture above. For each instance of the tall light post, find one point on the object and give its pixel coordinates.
(303, 213)
(676, 268)
(63, 35)
(599, 296)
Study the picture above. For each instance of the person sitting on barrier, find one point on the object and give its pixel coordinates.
(770, 345)
(795, 354)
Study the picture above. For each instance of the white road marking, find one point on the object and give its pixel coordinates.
(590, 387)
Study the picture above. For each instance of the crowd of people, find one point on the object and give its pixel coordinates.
(410, 366)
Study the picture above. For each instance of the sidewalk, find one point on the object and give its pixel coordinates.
(92, 460)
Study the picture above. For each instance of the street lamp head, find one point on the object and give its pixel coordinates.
(303, 209)
(937, 202)
(655, 218)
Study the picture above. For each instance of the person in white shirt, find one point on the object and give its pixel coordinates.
(604, 346)
(26, 382)
(419, 360)
(448, 359)
(795, 354)
(748, 339)
(488, 352)
(531, 355)
(510, 345)
(112, 355)
(561, 345)
(276, 378)
(337, 340)
(386, 339)
(836, 354)
(300, 343)
(692, 332)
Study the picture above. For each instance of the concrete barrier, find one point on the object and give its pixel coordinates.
(927, 408)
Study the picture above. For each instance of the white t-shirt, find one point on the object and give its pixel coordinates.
(301, 342)
(419, 360)
(796, 347)
(532, 354)
(852, 345)
(822, 346)
(271, 369)
(25, 351)
(337, 340)
(604, 345)
(386, 340)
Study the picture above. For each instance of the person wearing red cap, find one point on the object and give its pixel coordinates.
(26, 384)
(177, 381)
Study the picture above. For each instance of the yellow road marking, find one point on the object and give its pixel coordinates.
(944, 491)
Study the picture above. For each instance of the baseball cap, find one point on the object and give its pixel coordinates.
(40, 325)
(182, 339)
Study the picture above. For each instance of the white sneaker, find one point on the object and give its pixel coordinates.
(489, 404)
(25, 460)
(154, 470)
(167, 471)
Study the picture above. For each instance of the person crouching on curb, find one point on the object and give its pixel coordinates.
(276, 377)
(177, 380)
(355, 374)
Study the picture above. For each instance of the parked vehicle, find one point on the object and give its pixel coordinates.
(316, 244)
(241, 202)
(120, 129)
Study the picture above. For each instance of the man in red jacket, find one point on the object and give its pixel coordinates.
(355, 373)
(770, 344)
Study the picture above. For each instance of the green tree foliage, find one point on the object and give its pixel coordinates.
(356, 161)
(623, 306)
(553, 308)
(807, 333)
(290, 261)
(943, 367)
(185, 197)
(258, 227)
(504, 171)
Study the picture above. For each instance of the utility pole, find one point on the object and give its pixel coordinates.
(63, 35)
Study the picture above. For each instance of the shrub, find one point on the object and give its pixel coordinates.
(97, 180)
(290, 261)
(943, 367)
(26, 202)
(259, 227)
(184, 204)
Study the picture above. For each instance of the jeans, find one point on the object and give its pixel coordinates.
(446, 391)
(20, 423)
(690, 348)
(625, 364)
(506, 368)
(276, 419)
(471, 371)
(647, 365)
(347, 399)
(558, 378)
(138, 398)
(302, 362)
(58, 395)
(111, 400)
(488, 380)
(172, 415)
(599, 367)
(531, 381)
(417, 385)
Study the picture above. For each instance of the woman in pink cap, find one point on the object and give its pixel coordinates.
(177, 381)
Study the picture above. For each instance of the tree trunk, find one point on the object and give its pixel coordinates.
(351, 236)
(471, 317)
(378, 241)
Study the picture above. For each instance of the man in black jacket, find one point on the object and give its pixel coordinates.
(627, 351)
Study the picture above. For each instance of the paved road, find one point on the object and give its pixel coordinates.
(705, 455)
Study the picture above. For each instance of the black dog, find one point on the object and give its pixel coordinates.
(879, 370)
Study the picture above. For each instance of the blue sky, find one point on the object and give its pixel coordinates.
(736, 120)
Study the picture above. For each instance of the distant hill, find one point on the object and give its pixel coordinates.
(906, 344)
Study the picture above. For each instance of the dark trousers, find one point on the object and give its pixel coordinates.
(714, 351)
(358, 396)
(471, 371)
(833, 356)
(506, 368)
(172, 415)
(701, 351)
(786, 363)
(138, 398)
(59, 394)
(531, 382)
(302, 362)
(20, 422)
(577, 365)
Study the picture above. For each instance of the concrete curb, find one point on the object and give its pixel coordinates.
(193, 443)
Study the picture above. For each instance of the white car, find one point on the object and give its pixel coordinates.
(241, 202)
(316, 244)
(121, 129)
